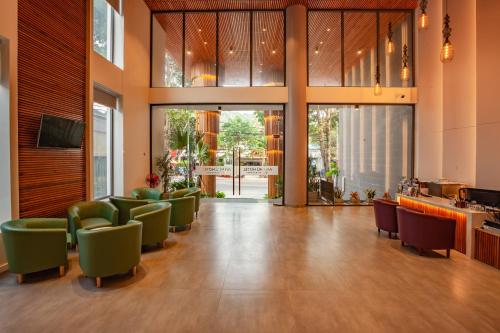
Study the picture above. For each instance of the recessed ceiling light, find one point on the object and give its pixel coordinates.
(231, 51)
(316, 51)
(199, 30)
(328, 29)
(264, 29)
(274, 52)
(262, 64)
(321, 43)
(205, 43)
(263, 42)
(359, 52)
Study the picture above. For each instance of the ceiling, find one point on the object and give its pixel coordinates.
(187, 5)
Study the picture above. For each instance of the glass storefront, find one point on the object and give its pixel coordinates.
(357, 151)
(230, 151)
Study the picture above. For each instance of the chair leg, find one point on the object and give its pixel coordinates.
(196, 214)
(61, 271)
(173, 229)
(390, 235)
(420, 251)
(447, 253)
(164, 244)
(98, 282)
(402, 243)
(20, 278)
(379, 231)
(134, 270)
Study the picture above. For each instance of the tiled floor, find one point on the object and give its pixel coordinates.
(259, 268)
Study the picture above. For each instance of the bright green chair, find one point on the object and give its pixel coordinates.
(110, 250)
(144, 193)
(182, 213)
(91, 215)
(155, 218)
(196, 193)
(35, 244)
(124, 206)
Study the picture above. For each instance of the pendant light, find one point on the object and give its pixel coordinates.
(423, 19)
(390, 44)
(377, 91)
(447, 51)
(405, 70)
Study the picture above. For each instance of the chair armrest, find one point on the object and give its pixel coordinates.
(46, 223)
(110, 212)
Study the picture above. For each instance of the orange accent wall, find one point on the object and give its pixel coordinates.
(461, 220)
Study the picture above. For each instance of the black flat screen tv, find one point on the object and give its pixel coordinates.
(56, 132)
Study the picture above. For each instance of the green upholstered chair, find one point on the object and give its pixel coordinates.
(145, 193)
(196, 193)
(155, 218)
(124, 206)
(90, 215)
(182, 213)
(110, 250)
(35, 244)
(178, 193)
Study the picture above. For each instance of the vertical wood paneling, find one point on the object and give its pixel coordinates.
(52, 80)
(487, 248)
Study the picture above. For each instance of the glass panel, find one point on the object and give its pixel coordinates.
(268, 49)
(167, 50)
(391, 63)
(234, 152)
(360, 48)
(103, 39)
(358, 148)
(102, 141)
(200, 70)
(234, 49)
(325, 68)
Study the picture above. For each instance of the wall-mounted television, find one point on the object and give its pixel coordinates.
(57, 132)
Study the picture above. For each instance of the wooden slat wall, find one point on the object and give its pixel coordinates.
(52, 80)
(487, 248)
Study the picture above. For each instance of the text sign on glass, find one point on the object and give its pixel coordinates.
(228, 171)
(213, 170)
(259, 170)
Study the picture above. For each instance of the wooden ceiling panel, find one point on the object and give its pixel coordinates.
(186, 5)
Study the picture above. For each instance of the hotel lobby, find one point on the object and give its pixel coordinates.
(249, 166)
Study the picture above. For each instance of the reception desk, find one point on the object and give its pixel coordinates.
(467, 219)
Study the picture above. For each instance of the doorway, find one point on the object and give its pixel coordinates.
(232, 152)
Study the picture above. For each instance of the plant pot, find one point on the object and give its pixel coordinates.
(369, 200)
(338, 200)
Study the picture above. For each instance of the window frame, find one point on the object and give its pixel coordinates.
(251, 51)
(111, 152)
(110, 32)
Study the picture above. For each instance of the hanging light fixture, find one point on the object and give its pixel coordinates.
(377, 91)
(447, 51)
(390, 44)
(423, 19)
(405, 70)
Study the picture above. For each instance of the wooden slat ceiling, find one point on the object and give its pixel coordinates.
(181, 5)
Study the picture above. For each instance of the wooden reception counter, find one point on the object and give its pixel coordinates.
(467, 219)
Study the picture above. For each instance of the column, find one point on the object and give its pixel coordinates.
(296, 111)
(207, 122)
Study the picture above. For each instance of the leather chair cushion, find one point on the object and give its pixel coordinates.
(95, 222)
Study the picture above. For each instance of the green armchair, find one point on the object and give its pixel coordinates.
(182, 213)
(188, 192)
(155, 218)
(110, 250)
(124, 206)
(91, 215)
(196, 193)
(35, 244)
(144, 193)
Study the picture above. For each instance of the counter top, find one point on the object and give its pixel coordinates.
(440, 202)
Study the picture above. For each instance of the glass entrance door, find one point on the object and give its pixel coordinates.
(231, 152)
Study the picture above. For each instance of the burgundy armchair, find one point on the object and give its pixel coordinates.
(424, 231)
(385, 215)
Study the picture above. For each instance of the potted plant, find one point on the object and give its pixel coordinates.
(338, 195)
(152, 180)
(370, 194)
(164, 165)
(333, 172)
(312, 183)
(355, 197)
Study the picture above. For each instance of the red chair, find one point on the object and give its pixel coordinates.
(424, 231)
(385, 215)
